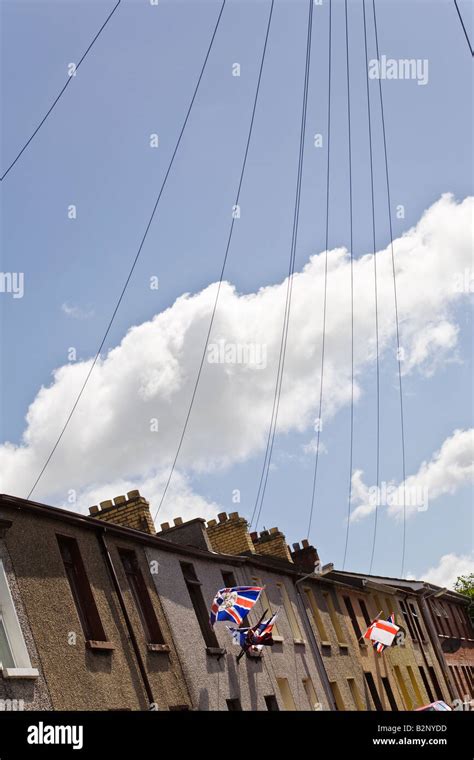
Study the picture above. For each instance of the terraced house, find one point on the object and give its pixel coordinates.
(100, 612)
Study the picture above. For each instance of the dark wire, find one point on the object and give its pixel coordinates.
(222, 270)
(281, 360)
(389, 207)
(351, 445)
(60, 93)
(464, 28)
(377, 444)
(135, 260)
(323, 345)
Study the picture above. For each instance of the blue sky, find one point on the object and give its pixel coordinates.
(94, 152)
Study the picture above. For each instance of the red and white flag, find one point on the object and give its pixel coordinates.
(382, 631)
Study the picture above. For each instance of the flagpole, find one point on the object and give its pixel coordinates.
(377, 617)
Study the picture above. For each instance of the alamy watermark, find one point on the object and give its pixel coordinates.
(224, 352)
(389, 495)
(401, 68)
(12, 282)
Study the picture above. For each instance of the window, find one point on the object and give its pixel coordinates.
(290, 614)
(311, 694)
(233, 705)
(229, 579)
(337, 696)
(355, 694)
(265, 602)
(389, 693)
(435, 682)
(365, 612)
(286, 694)
(194, 588)
(80, 589)
(317, 617)
(352, 615)
(14, 657)
(416, 688)
(426, 683)
(271, 703)
(402, 686)
(457, 680)
(408, 620)
(141, 597)
(417, 621)
(6, 657)
(373, 691)
(334, 618)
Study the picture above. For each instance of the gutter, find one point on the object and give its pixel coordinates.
(141, 666)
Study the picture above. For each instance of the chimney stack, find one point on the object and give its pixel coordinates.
(305, 557)
(272, 543)
(131, 511)
(229, 535)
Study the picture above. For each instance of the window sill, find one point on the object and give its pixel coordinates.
(326, 644)
(342, 645)
(20, 673)
(100, 646)
(301, 642)
(216, 651)
(278, 639)
(159, 648)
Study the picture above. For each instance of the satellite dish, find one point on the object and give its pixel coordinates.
(449, 646)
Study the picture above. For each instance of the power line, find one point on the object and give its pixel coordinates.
(464, 28)
(323, 345)
(193, 396)
(134, 261)
(351, 444)
(389, 206)
(377, 443)
(286, 318)
(56, 100)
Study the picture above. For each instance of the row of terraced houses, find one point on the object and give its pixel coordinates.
(100, 612)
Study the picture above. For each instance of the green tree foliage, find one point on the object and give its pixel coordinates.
(465, 585)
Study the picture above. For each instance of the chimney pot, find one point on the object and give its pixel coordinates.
(211, 523)
(165, 526)
(178, 521)
(296, 547)
(234, 516)
(222, 516)
(254, 536)
(273, 530)
(120, 500)
(105, 504)
(93, 510)
(133, 494)
(305, 543)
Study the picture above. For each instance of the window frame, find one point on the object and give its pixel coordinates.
(81, 591)
(22, 667)
(142, 600)
(194, 587)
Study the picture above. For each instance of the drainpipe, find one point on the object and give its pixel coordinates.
(318, 656)
(436, 645)
(141, 666)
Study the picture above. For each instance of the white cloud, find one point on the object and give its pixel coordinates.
(151, 373)
(449, 568)
(449, 469)
(76, 312)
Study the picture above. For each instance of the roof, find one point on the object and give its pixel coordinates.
(416, 586)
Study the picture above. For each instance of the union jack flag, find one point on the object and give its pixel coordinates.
(258, 636)
(234, 603)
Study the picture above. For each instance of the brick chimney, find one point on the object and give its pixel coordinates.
(305, 557)
(272, 543)
(229, 535)
(131, 511)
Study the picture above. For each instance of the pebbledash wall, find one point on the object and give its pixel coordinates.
(155, 645)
